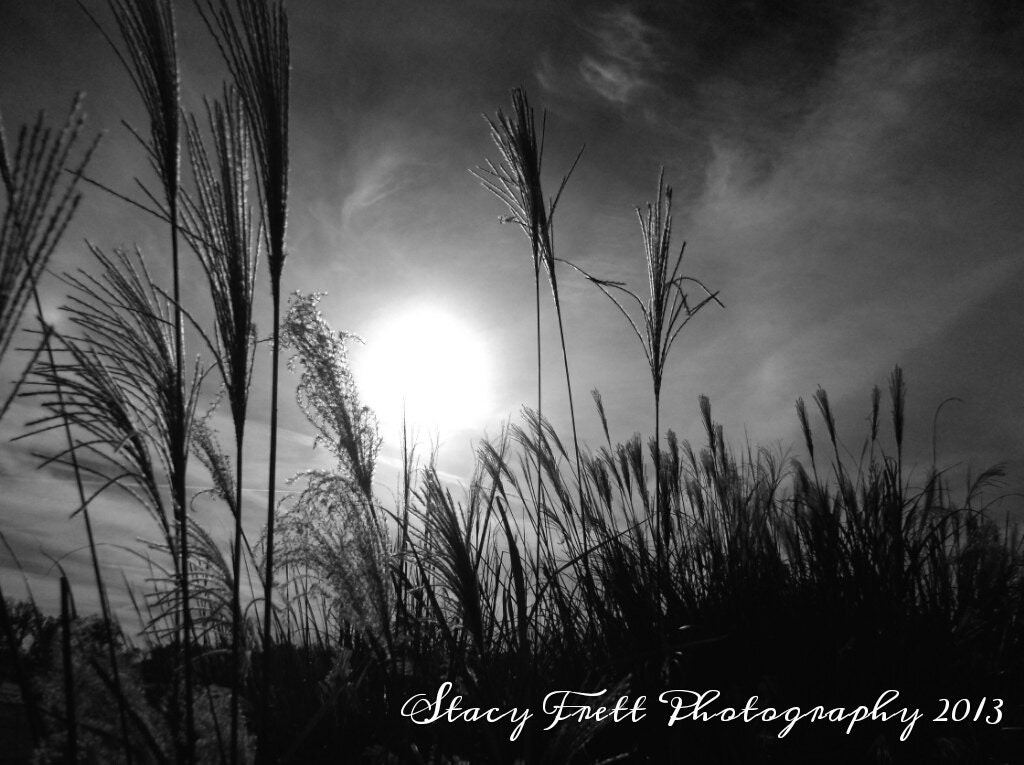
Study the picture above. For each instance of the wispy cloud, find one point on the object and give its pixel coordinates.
(383, 174)
(613, 59)
(849, 234)
(618, 68)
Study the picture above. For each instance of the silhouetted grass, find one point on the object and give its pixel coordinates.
(624, 569)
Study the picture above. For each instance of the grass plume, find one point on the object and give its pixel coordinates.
(40, 197)
(219, 226)
(516, 181)
(662, 315)
(148, 52)
(253, 39)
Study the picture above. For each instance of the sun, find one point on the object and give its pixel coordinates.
(429, 361)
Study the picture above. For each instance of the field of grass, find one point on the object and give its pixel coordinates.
(441, 627)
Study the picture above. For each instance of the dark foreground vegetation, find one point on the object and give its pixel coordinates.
(625, 571)
(804, 585)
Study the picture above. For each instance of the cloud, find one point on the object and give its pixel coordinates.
(384, 175)
(612, 55)
(618, 68)
(610, 79)
(882, 226)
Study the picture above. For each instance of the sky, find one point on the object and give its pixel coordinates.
(847, 176)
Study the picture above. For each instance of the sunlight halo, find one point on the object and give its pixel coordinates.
(434, 362)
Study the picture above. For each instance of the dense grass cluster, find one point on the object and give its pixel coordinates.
(824, 582)
(622, 570)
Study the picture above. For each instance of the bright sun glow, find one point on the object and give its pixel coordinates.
(432, 361)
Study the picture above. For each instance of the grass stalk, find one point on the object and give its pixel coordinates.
(83, 507)
(40, 199)
(40, 191)
(218, 225)
(253, 39)
(149, 56)
(70, 705)
(116, 384)
(516, 181)
(663, 315)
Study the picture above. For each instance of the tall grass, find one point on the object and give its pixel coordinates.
(40, 198)
(112, 380)
(220, 229)
(253, 38)
(818, 580)
(666, 310)
(516, 181)
(148, 53)
(41, 195)
(758, 554)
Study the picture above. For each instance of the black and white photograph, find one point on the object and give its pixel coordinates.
(512, 381)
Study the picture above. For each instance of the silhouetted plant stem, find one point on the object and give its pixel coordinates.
(663, 316)
(236, 600)
(538, 519)
(83, 507)
(575, 437)
(219, 227)
(663, 516)
(268, 586)
(37, 211)
(403, 523)
(70, 710)
(253, 39)
(516, 181)
(16, 388)
(179, 445)
(147, 30)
